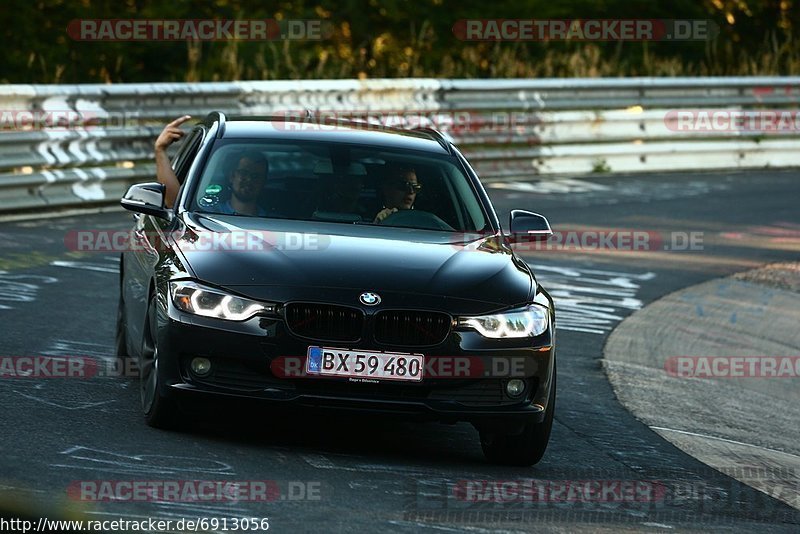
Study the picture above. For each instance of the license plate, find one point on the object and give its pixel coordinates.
(327, 361)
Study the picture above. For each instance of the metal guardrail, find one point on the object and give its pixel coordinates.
(509, 129)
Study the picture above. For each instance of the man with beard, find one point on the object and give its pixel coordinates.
(246, 181)
(246, 178)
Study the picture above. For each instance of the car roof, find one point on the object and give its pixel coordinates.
(352, 132)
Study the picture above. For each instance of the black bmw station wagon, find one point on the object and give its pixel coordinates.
(337, 265)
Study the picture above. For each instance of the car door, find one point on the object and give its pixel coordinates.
(148, 246)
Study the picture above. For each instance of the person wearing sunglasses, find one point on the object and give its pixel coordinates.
(398, 188)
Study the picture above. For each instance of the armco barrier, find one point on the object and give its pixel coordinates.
(509, 129)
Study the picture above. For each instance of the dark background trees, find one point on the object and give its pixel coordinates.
(392, 38)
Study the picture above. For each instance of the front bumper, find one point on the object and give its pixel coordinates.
(260, 360)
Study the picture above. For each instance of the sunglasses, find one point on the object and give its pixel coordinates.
(250, 175)
(407, 186)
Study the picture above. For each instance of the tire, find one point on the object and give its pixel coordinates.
(526, 448)
(159, 411)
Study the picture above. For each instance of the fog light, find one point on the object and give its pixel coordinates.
(515, 387)
(201, 366)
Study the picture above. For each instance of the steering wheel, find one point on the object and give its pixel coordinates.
(417, 219)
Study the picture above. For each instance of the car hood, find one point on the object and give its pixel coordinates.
(306, 260)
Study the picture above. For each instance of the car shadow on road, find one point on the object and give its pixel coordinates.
(371, 436)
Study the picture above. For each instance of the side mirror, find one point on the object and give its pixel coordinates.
(147, 198)
(529, 226)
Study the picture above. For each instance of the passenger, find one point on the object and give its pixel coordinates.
(398, 189)
(246, 179)
(246, 182)
(164, 172)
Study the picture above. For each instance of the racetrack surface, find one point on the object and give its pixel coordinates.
(368, 475)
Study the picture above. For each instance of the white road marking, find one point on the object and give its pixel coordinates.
(67, 347)
(462, 528)
(322, 462)
(546, 187)
(734, 442)
(64, 406)
(3, 487)
(121, 516)
(174, 509)
(361, 485)
(90, 458)
(14, 289)
(319, 461)
(85, 266)
(590, 300)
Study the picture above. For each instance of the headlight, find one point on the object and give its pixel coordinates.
(194, 298)
(528, 322)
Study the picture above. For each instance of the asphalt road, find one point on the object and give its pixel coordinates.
(350, 474)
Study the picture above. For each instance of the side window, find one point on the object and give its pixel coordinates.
(183, 159)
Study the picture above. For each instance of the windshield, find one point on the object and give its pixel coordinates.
(339, 183)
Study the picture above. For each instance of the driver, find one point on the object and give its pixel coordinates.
(398, 188)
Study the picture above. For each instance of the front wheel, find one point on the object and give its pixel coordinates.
(159, 411)
(527, 447)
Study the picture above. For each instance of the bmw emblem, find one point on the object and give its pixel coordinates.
(369, 298)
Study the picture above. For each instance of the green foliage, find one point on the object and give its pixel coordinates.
(600, 166)
(392, 38)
